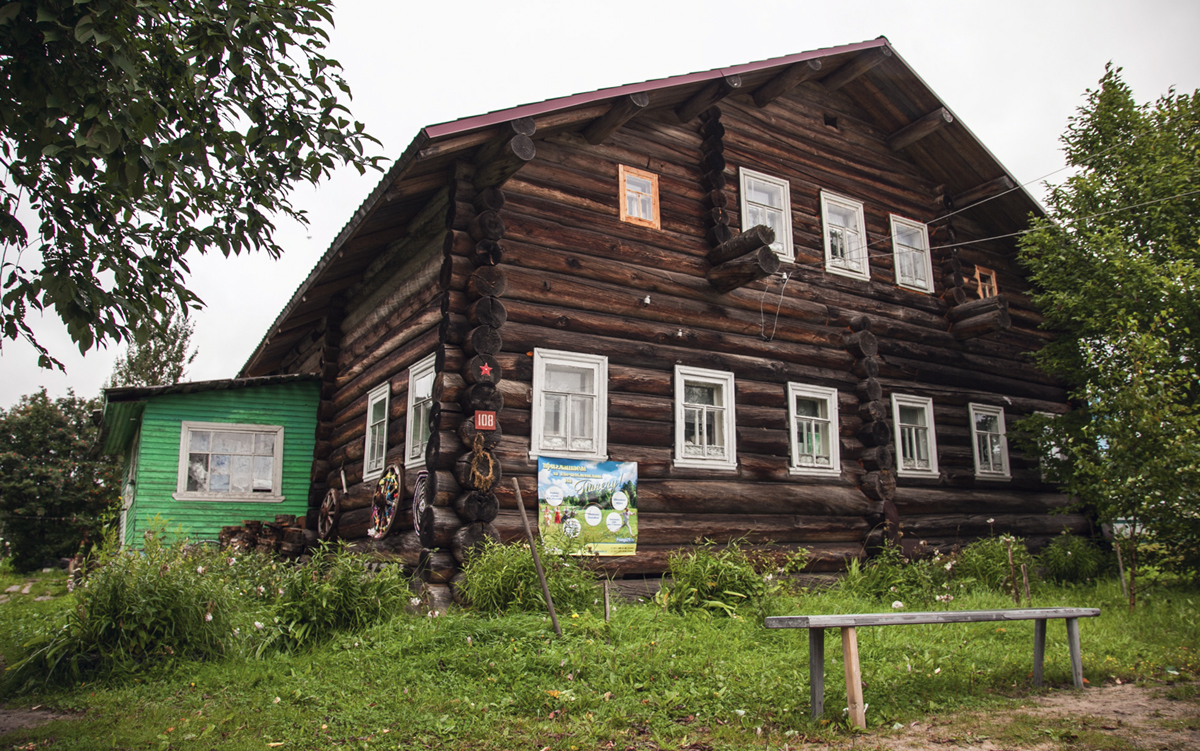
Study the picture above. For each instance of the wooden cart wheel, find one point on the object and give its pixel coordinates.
(327, 518)
(385, 506)
(422, 509)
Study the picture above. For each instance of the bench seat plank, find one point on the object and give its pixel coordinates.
(903, 619)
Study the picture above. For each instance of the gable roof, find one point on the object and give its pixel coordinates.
(890, 92)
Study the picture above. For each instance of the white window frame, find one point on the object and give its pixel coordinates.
(1005, 472)
(783, 239)
(724, 380)
(926, 404)
(599, 366)
(185, 433)
(382, 392)
(829, 397)
(858, 253)
(414, 456)
(925, 261)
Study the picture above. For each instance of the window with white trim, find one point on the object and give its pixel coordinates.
(910, 250)
(639, 196)
(375, 451)
(845, 236)
(420, 403)
(705, 423)
(570, 405)
(768, 200)
(989, 444)
(813, 415)
(230, 462)
(916, 438)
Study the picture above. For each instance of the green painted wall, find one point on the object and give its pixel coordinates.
(292, 405)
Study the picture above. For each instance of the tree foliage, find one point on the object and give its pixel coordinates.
(1116, 265)
(53, 493)
(160, 360)
(137, 131)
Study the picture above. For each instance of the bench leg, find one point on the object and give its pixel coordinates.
(1039, 650)
(1076, 652)
(854, 697)
(816, 672)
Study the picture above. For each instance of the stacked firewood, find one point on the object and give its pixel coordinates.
(286, 536)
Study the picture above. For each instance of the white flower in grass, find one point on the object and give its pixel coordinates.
(237, 632)
(199, 569)
(991, 521)
(897, 605)
(414, 601)
(949, 565)
(258, 625)
(232, 561)
(261, 589)
(208, 616)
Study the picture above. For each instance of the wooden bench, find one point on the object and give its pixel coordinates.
(816, 625)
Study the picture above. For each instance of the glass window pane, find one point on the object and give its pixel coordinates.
(378, 411)
(837, 244)
(809, 407)
(197, 478)
(264, 444)
(639, 184)
(198, 441)
(553, 418)
(241, 474)
(912, 416)
(842, 216)
(647, 204)
(232, 443)
(715, 430)
(264, 472)
(764, 193)
(581, 420)
(909, 236)
(218, 479)
(691, 426)
(694, 393)
(423, 386)
(986, 423)
(568, 379)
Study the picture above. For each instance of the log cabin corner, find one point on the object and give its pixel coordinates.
(787, 290)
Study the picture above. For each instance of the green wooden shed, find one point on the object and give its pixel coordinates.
(200, 456)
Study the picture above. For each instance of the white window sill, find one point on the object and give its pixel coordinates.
(814, 472)
(415, 463)
(558, 454)
(372, 476)
(227, 497)
(914, 288)
(993, 476)
(848, 273)
(923, 473)
(705, 464)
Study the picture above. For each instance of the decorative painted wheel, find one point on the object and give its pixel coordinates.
(385, 507)
(422, 509)
(327, 519)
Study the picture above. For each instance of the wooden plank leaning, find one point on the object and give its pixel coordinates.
(816, 625)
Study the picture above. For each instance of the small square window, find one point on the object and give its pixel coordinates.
(768, 200)
(916, 438)
(570, 405)
(845, 236)
(230, 462)
(705, 426)
(990, 445)
(375, 450)
(813, 415)
(986, 281)
(639, 196)
(420, 404)
(910, 251)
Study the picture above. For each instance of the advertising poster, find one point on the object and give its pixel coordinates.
(590, 508)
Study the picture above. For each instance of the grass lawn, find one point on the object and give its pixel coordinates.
(647, 679)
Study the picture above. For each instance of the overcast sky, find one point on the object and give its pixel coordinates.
(1012, 71)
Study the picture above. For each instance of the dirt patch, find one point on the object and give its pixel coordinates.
(22, 719)
(1111, 717)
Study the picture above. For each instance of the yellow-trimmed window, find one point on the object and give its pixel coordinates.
(639, 197)
(986, 279)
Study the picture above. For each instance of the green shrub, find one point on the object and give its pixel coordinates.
(332, 592)
(891, 577)
(502, 578)
(985, 562)
(1071, 559)
(719, 581)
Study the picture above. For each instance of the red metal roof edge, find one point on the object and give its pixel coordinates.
(533, 109)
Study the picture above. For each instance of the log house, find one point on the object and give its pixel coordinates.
(797, 243)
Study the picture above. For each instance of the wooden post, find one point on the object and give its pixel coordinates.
(1039, 650)
(537, 561)
(1025, 576)
(1076, 652)
(854, 697)
(816, 672)
(1121, 570)
(607, 610)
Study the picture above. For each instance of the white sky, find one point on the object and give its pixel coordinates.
(1012, 71)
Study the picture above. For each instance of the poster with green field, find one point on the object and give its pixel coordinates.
(589, 508)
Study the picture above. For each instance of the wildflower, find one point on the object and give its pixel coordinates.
(232, 561)
(261, 589)
(199, 569)
(897, 605)
(258, 625)
(991, 521)
(892, 589)
(281, 591)
(276, 700)
(208, 616)
(237, 632)
(769, 577)
(434, 613)
(414, 601)
(468, 641)
(935, 672)
(949, 565)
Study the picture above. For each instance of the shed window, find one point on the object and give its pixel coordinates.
(570, 405)
(916, 438)
(814, 435)
(986, 281)
(990, 444)
(639, 196)
(420, 402)
(845, 236)
(375, 451)
(910, 249)
(704, 418)
(227, 462)
(768, 200)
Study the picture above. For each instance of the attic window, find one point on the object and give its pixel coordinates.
(986, 279)
(831, 120)
(639, 196)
